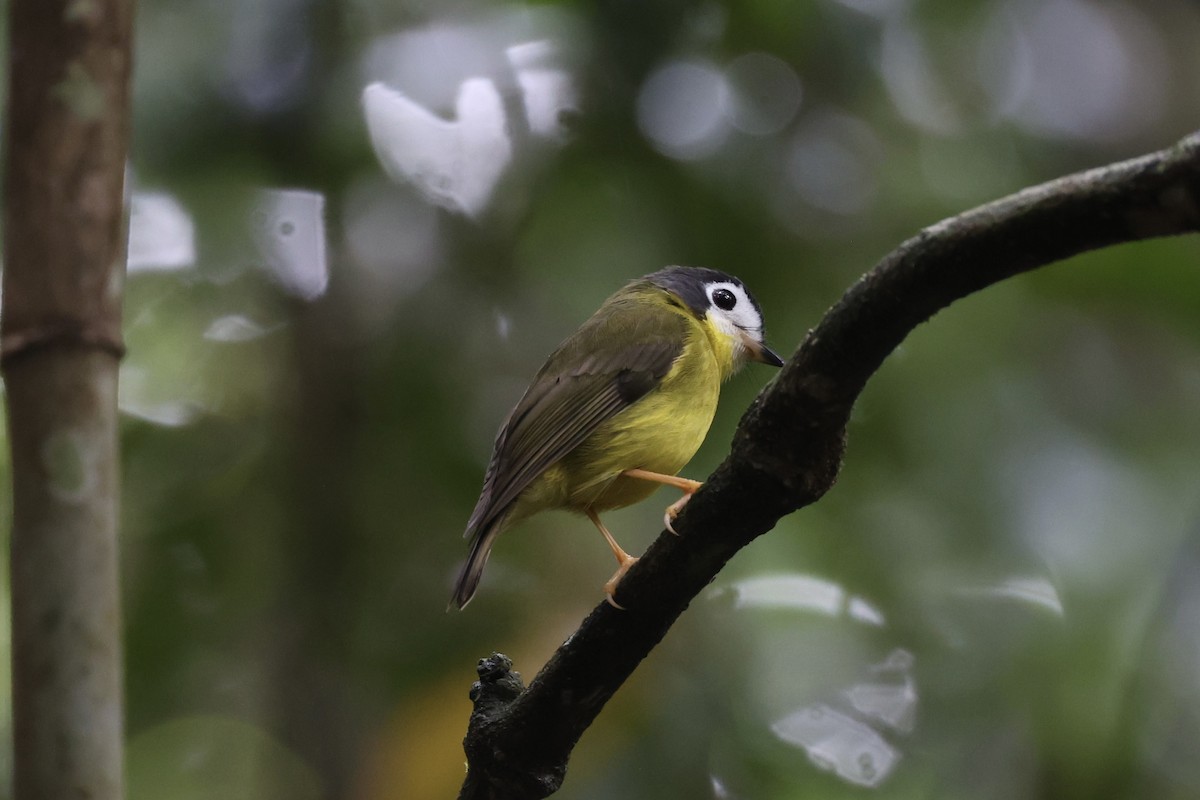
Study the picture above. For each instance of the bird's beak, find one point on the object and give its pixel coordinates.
(761, 353)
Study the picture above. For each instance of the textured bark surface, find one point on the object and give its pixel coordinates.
(67, 707)
(787, 449)
(64, 246)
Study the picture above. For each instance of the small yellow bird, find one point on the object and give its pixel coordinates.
(619, 408)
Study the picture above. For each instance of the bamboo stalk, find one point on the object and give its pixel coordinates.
(64, 245)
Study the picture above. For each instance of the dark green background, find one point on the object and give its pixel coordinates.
(1010, 560)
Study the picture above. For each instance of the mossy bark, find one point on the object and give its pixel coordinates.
(60, 343)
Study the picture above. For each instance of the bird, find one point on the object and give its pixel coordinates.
(618, 409)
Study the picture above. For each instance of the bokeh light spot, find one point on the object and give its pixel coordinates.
(679, 109)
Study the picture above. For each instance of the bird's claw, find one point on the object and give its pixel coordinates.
(610, 587)
(673, 512)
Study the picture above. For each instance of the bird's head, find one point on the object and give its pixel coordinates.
(725, 307)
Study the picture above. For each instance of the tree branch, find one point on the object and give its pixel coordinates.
(788, 447)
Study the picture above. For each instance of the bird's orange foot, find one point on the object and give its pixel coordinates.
(624, 560)
(673, 512)
(674, 509)
(685, 485)
(610, 587)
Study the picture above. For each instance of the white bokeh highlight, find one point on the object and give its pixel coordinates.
(680, 109)
(162, 235)
(455, 163)
(288, 229)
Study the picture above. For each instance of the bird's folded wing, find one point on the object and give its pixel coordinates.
(565, 404)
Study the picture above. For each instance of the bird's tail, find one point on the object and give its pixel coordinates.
(472, 568)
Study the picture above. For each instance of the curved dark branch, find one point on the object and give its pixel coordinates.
(788, 447)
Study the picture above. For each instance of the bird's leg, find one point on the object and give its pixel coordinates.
(623, 559)
(685, 485)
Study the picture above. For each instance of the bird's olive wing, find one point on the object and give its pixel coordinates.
(573, 394)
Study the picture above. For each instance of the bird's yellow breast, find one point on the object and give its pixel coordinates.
(660, 433)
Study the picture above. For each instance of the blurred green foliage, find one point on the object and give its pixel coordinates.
(996, 601)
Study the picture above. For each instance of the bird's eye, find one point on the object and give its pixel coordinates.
(724, 299)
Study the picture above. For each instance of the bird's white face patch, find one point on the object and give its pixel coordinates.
(733, 310)
(734, 314)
